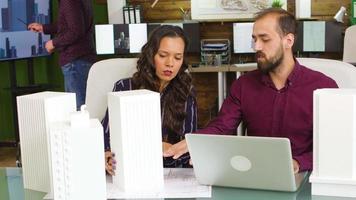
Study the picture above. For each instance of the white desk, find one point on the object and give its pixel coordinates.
(11, 187)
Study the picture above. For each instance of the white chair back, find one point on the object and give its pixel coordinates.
(350, 45)
(101, 79)
(343, 73)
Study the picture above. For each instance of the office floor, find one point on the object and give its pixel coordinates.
(8, 157)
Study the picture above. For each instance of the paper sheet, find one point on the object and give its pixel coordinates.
(314, 36)
(178, 183)
(138, 37)
(243, 42)
(104, 37)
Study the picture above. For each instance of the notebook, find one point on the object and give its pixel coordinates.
(243, 162)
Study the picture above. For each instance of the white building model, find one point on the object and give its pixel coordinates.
(334, 152)
(35, 114)
(136, 139)
(78, 163)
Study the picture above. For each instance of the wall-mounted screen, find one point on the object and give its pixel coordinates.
(129, 38)
(120, 38)
(15, 40)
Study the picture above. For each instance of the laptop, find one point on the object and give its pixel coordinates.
(244, 162)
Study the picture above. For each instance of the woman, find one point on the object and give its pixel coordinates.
(161, 68)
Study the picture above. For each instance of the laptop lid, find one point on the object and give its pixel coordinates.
(243, 161)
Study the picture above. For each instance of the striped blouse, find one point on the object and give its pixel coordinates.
(189, 124)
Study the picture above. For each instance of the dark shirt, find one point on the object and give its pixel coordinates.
(73, 31)
(266, 111)
(189, 124)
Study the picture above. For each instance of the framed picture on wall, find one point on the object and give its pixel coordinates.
(222, 10)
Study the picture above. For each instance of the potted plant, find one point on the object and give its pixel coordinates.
(277, 4)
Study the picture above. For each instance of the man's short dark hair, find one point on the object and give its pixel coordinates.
(286, 20)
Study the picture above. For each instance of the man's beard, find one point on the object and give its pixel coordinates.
(269, 65)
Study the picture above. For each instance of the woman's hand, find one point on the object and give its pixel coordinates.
(110, 163)
(176, 150)
(165, 146)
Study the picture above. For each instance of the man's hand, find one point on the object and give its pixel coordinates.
(35, 27)
(296, 166)
(49, 46)
(110, 163)
(176, 150)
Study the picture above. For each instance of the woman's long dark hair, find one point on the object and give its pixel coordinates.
(173, 101)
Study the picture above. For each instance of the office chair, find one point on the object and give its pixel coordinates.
(343, 73)
(101, 79)
(349, 55)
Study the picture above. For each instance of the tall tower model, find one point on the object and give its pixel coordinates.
(334, 143)
(36, 112)
(136, 139)
(77, 158)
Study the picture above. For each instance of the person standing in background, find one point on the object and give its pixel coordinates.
(73, 39)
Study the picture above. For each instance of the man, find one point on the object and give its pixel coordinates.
(74, 41)
(277, 99)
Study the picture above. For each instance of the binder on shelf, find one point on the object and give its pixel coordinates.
(132, 14)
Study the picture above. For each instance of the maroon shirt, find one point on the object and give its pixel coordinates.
(266, 111)
(73, 31)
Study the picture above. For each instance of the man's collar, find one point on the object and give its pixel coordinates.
(292, 78)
